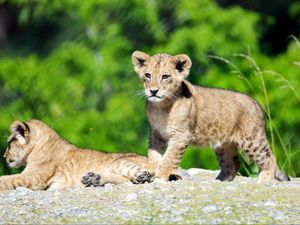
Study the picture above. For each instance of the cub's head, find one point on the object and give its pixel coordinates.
(162, 74)
(18, 144)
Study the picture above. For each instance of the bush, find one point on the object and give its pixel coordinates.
(68, 64)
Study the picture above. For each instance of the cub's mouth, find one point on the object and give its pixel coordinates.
(155, 98)
(11, 163)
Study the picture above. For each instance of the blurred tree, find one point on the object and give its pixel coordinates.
(68, 64)
(278, 20)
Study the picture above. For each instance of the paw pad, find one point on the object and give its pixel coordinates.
(91, 179)
(143, 177)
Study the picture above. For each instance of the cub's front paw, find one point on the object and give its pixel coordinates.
(91, 179)
(170, 176)
(143, 177)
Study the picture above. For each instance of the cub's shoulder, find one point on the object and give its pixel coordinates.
(215, 91)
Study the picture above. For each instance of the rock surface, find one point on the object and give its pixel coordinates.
(198, 198)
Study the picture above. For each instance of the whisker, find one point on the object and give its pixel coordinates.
(139, 94)
(171, 96)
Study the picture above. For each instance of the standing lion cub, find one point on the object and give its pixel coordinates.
(51, 162)
(181, 114)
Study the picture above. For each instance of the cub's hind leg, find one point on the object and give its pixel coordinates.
(106, 177)
(110, 175)
(229, 162)
(134, 172)
(112, 178)
(260, 152)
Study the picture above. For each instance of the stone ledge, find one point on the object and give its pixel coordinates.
(198, 198)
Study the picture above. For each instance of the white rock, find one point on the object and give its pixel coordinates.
(231, 188)
(159, 180)
(269, 203)
(108, 185)
(23, 191)
(130, 197)
(277, 215)
(12, 193)
(210, 208)
(193, 171)
(182, 172)
(146, 191)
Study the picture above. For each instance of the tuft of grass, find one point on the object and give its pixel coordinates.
(298, 44)
(274, 133)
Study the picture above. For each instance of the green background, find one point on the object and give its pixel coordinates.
(68, 63)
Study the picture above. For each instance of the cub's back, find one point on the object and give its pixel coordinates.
(85, 159)
(225, 104)
(219, 112)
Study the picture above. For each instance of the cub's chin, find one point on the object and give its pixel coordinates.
(13, 165)
(155, 99)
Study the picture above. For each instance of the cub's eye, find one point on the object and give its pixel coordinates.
(148, 75)
(165, 76)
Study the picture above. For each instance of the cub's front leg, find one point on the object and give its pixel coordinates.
(156, 147)
(172, 157)
(32, 182)
(132, 171)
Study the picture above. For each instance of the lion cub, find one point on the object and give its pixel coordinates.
(181, 114)
(51, 162)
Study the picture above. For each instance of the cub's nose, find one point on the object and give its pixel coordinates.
(153, 92)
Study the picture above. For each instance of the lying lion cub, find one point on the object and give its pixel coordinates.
(51, 162)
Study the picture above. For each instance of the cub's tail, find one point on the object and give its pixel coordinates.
(281, 176)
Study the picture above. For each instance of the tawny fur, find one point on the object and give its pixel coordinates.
(52, 162)
(182, 114)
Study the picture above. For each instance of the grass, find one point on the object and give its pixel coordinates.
(275, 135)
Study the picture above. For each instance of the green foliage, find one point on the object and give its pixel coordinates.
(69, 66)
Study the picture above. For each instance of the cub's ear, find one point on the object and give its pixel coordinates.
(182, 64)
(20, 130)
(139, 60)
